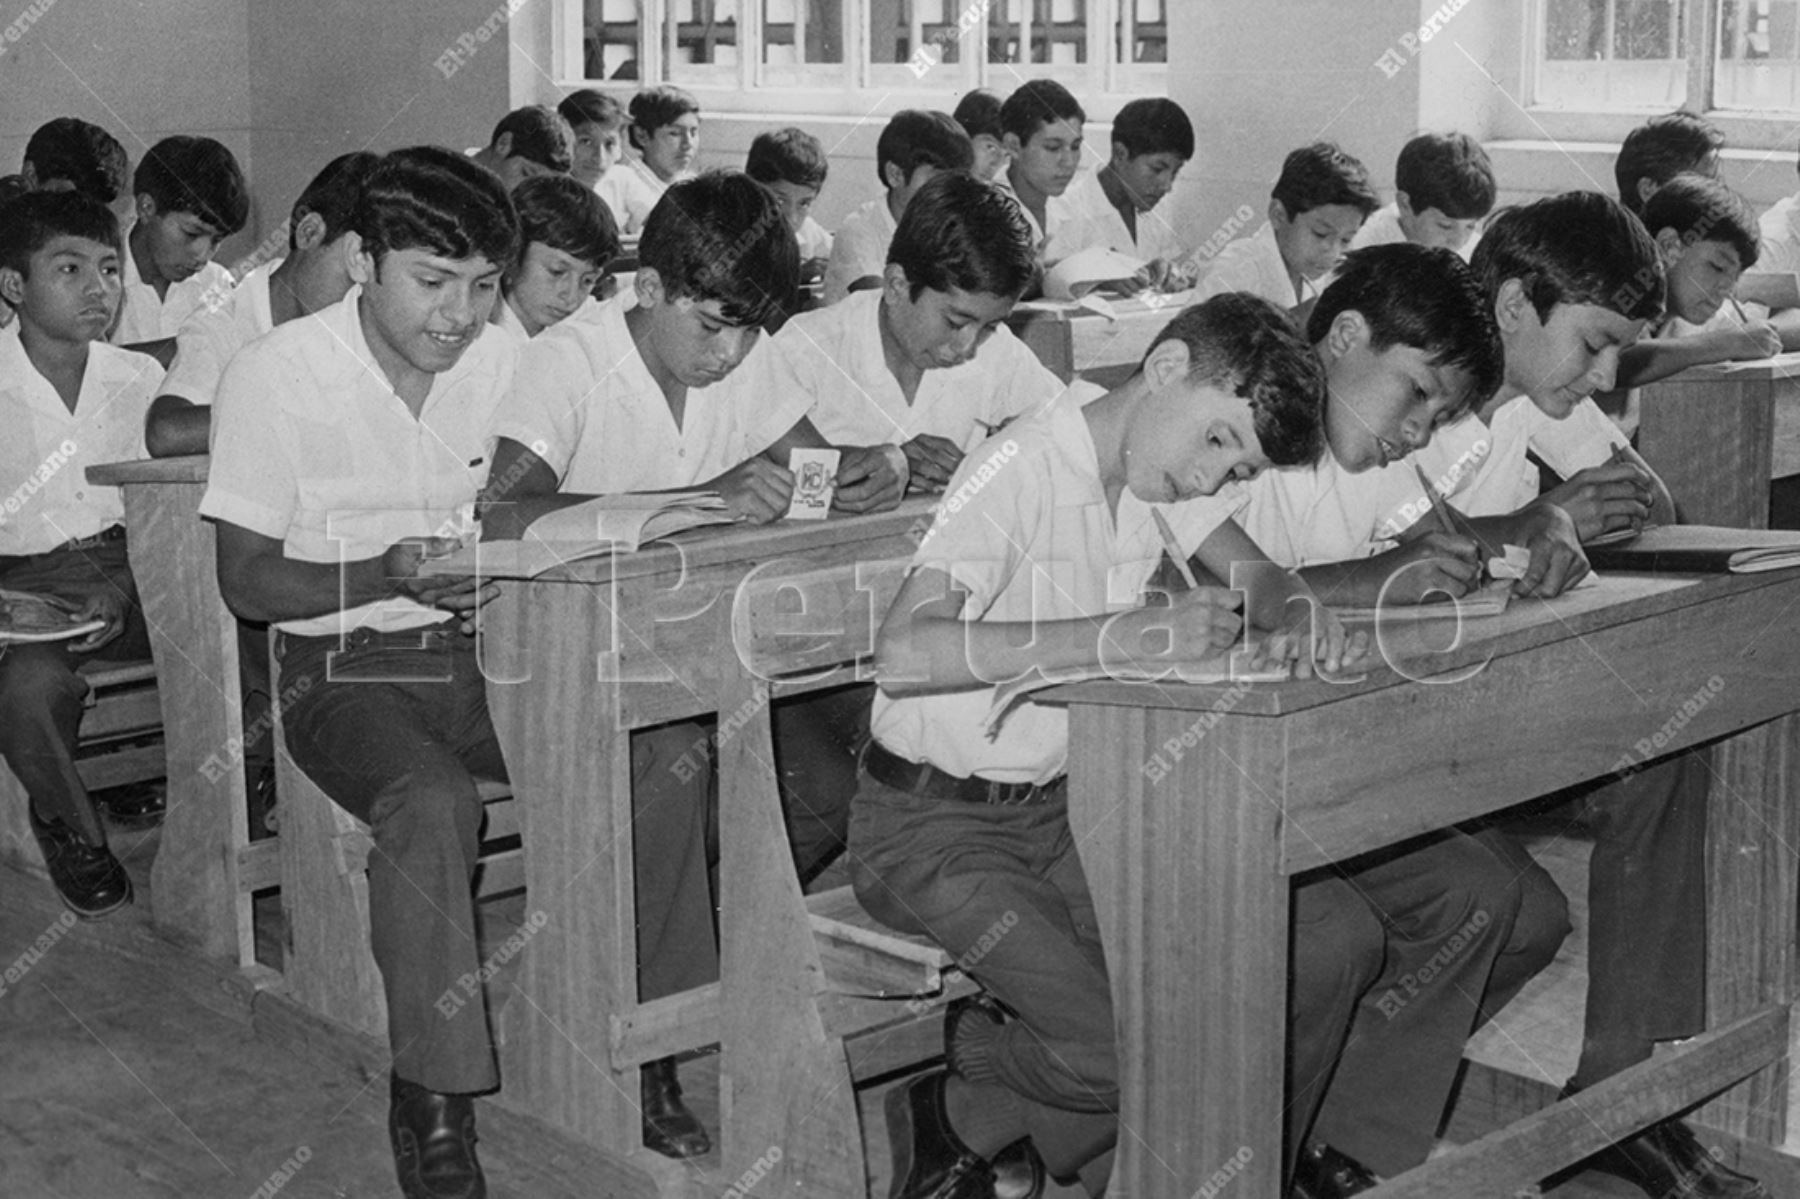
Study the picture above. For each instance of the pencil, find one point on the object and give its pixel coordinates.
(1174, 548)
(1437, 502)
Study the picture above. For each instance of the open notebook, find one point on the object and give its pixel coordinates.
(1009, 695)
(1488, 600)
(1699, 549)
(25, 616)
(586, 530)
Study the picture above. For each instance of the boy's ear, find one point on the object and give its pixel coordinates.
(1012, 144)
(1121, 155)
(1166, 364)
(12, 286)
(649, 286)
(1278, 213)
(1510, 305)
(1348, 331)
(895, 286)
(1646, 187)
(892, 176)
(29, 174)
(1669, 242)
(503, 147)
(1403, 202)
(357, 260)
(309, 231)
(146, 207)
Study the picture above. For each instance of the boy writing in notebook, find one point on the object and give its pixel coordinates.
(1114, 207)
(1443, 190)
(914, 145)
(68, 401)
(568, 237)
(1320, 200)
(190, 197)
(1574, 279)
(343, 453)
(644, 400)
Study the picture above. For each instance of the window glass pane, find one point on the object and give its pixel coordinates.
(802, 31)
(610, 39)
(705, 34)
(920, 33)
(1037, 31)
(1759, 55)
(1601, 54)
(1143, 35)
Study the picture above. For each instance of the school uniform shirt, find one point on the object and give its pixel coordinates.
(813, 239)
(1780, 229)
(833, 357)
(860, 248)
(631, 190)
(1309, 515)
(1024, 528)
(144, 316)
(1057, 213)
(47, 449)
(312, 447)
(1630, 409)
(1383, 229)
(1089, 220)
(584, 401)
(209, 339)
(1254, 264)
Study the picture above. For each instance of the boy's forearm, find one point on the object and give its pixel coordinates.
(1353, 584)
(273, 588)
(946, 654)
(176, 427)
(1657, 359)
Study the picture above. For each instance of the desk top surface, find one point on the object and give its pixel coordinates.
(189, 469)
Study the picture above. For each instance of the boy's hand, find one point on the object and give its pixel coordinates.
(1168, 274)
(1200, 625)
(1757, 339)
(1312, 644)
(867, 480)
(101, 604)
(932, 461)
(1557, 562)
(1601, 499)
(756, 490)
(1430, 563)
(461, 595)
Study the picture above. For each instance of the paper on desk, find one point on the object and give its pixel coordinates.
(1788, 362)
(1083, 271)
(1512, 565)
(1007, 696)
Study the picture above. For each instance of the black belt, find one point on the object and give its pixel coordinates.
(109, 533)
(922, 778)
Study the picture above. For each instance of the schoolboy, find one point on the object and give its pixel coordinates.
(598, 124)
(640, 399)
(978, 112)
(1115, 206)
(568, 237)
(315, 274)
(69, 401)
(1660, 149)
(1574, 279)
(342, 456)
(1041, 126)
(527, 141)
(1320, 200)
(69, 153)
(1408, 342)
(952, 829)
(1443, 190)
(190, 197)
(791, 164)
(914, 145)
(665, 132)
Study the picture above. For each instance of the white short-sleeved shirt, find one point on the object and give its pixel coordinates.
(1089, 220)
(584, 401)
(813, 239)
(1026, 530)
(1057, 213)
(1308, 515)
(833, 357)
(1487, 469)
(1254, 264)
(1780, 229)
(312, 446)
(631, 190)
(45, 498)
(145, 316)
(1383, 229)
(211, 336)
(860, 248)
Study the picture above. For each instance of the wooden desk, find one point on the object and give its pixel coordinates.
(1718, 434)
(1077, 341)
(205, 866)
(1191, 875)
(576, 660)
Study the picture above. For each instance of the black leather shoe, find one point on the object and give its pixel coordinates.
(930, 1160)
(1018, 1171)
(135, 805)
(89, 879)
(434, 1143)
(669, 1127)
(1324, 1173)
(1666, 1161)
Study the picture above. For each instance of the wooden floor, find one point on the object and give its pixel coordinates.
(131, 1070)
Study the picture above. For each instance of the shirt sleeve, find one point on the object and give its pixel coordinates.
(991, 510)
(550, 401)
(1021, 383)
(1230, 272)
(195, 373)
(251, 482)
(853, 256)
(1584, 438)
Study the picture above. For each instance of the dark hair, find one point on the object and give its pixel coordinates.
(978, 112)
(333, 193)
(85, 154)
(1576, 248)
(655, 107)
(958, 232)
(1153, 125)
(433, 199)
(12, 187)
(787, 155)
(32, 221)
(1321, 174)
(589, 107)
(720, 236)
(1419, 296)
(195, 175)
(1446, 171)
(1703, 209)
(1245, 345)
(916, 137)
(538, 135)
(1034, 104)
(1660, 149)
(564, 214)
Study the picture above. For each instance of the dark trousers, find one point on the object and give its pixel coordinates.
(41, 695)
(958, 872)
(817, 739)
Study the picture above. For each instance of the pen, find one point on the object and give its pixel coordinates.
(1437, 502)
(1739, 309)
(1174, 548)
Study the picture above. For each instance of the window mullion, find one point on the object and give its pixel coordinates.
(1701, 28)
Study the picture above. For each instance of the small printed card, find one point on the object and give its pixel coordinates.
(815, 478)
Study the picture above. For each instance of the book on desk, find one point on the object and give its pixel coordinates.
(602, 525)
(1699, 549)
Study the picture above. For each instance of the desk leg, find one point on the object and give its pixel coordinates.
(1753, 827)
(1194, 913)
(194, 892)
(578, 970)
